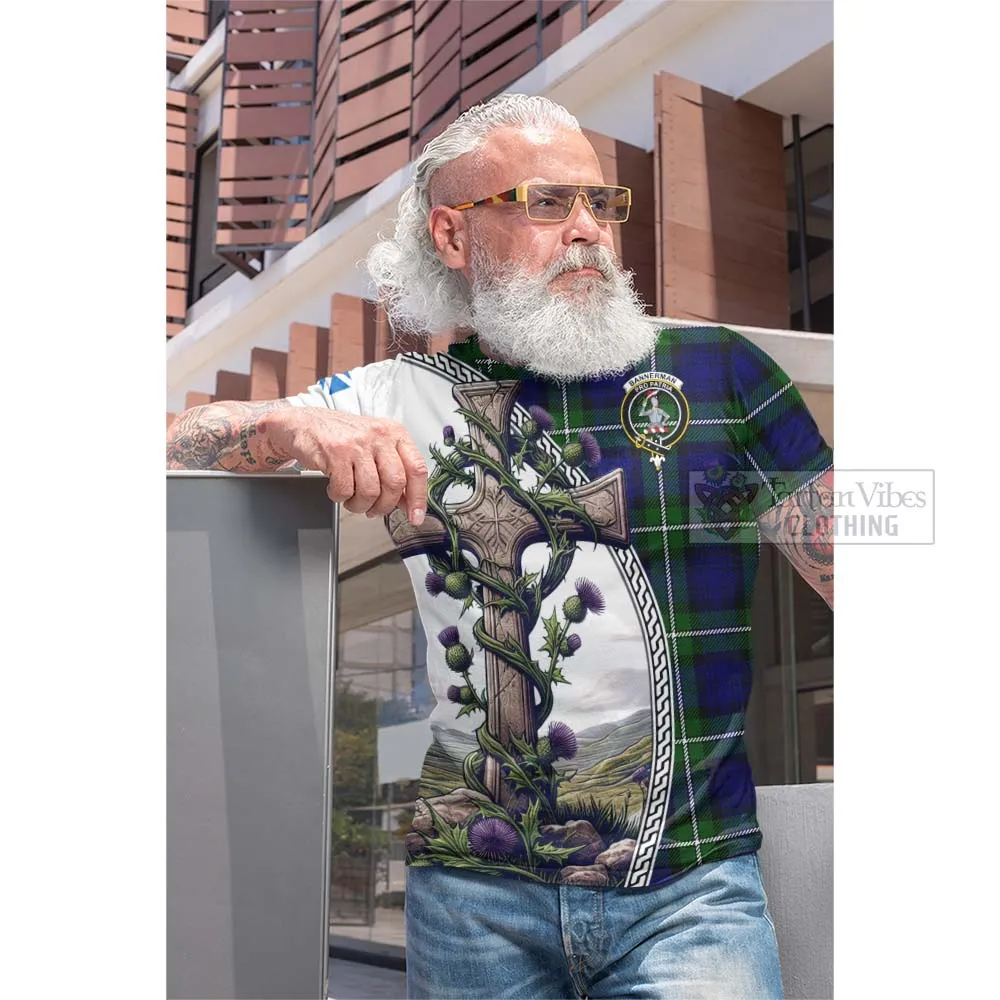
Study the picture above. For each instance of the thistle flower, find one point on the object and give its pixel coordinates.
(448, 636)
(572, 453)
(458, 585)
(587, 598)
(593, 599)
(449, 435)
(434, 582)
(591, 449)
(458, 658)
(571, 644)
(493, 837)
(562, 740)
(541, 417)
(460, 695)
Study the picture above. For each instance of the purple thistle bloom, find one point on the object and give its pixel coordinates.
(448, 636)
(574, 642)
(493, 838)
(590, 595)
(562, 740)
(641, 775)
(541, 417)
(591, 449)
(455, 694)
(448, 435)
(434, 583)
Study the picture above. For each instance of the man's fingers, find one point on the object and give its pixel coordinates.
(392, 479)
(416, 479)
(341, 485)
(366, 485)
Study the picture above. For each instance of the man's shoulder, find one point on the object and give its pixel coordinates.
(698, 333)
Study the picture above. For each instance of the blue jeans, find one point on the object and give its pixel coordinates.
(706, 935)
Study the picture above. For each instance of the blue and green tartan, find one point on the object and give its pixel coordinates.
(749, 421)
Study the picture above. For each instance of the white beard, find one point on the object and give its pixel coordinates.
(593, 328)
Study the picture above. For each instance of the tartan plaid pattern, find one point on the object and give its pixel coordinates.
(749, 421)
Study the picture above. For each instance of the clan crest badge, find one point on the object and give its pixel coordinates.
(655, 413)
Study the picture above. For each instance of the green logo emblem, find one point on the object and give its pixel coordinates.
(655, 413)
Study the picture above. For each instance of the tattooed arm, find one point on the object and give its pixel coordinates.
(224, 436)
(802, 528)
(372, 463)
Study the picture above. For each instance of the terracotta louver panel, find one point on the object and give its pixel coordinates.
(325, 115)
(187, 29)
(560, 23)
(437, 61)
(374, 94)
(721, 228)
(267, 373)
(324, 100)
(635, 242)
(231, 385)
(500, 42)
(308, 357)
(265, 161)
(596, 9)
(182, 137)
(193, 399)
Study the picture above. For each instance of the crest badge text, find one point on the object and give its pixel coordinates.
(655, 413)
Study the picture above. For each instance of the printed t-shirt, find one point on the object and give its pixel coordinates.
(585, 576)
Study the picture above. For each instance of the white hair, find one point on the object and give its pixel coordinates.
(417, 291)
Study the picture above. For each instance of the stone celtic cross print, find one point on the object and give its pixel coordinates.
(496, 524)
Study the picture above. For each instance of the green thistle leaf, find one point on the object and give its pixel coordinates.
(453, 839)
(553, 634)
(550, 852)
(523, 747)
(529, 823)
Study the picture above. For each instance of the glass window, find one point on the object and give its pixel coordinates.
(817, 171)
(216, 13)
(789, 722)
(207, 270)
(382, 701)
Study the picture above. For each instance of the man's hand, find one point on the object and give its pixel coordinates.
(373, 464)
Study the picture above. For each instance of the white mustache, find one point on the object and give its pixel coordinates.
(577, 257)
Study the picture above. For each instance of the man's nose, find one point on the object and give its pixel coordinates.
(581, 226)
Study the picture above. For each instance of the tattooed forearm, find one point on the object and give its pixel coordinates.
(802, 528)
(223, 436)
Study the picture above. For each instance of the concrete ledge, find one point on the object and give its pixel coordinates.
(385, 956)
(796, 862)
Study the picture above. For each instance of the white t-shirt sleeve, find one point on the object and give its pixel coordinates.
(364, 391)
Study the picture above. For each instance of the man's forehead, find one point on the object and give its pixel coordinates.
(512, 156)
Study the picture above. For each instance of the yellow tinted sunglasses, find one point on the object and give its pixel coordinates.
(554, 202)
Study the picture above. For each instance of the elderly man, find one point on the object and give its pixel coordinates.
(578, 495)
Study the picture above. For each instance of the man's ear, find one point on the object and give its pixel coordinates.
(447, 229)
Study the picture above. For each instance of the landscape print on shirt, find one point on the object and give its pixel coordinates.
(540, 761)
